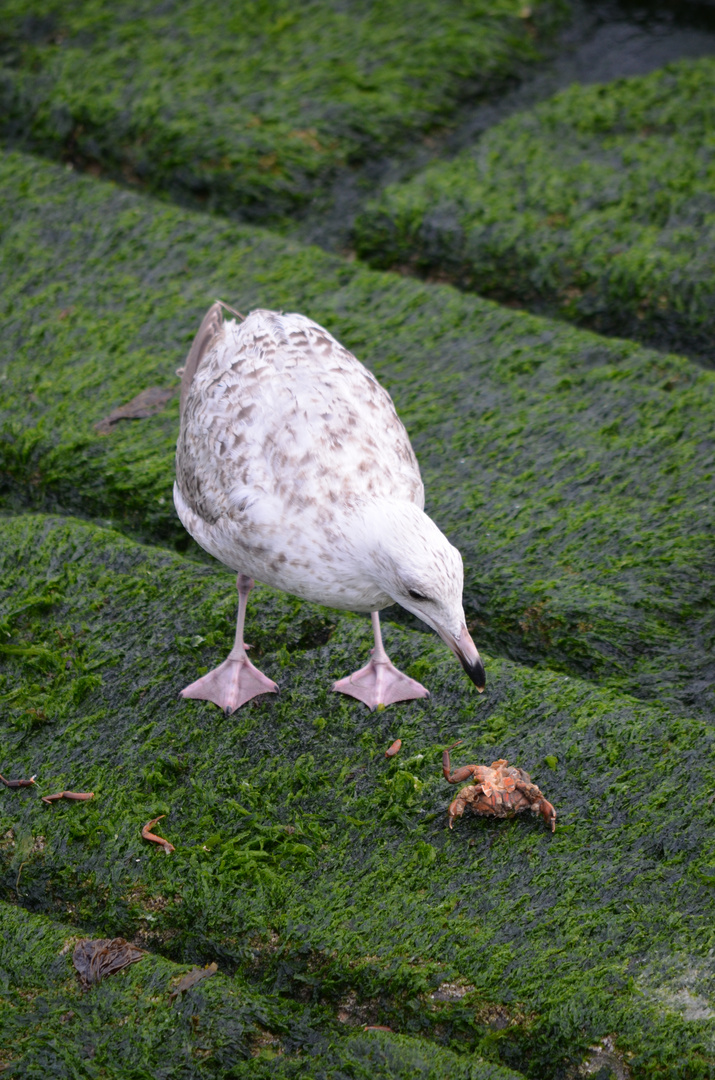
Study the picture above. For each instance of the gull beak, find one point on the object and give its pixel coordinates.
(466, 652)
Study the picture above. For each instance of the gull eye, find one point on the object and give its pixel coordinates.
(416, 595)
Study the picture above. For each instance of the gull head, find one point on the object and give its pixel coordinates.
(415, 564)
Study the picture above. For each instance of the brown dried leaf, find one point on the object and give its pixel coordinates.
(96, 958)
(149, 401)
(192, 978)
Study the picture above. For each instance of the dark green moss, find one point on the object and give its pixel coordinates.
(128, 1028)
(597, 206)
(250, 107)
(314, 869)
(574, 473)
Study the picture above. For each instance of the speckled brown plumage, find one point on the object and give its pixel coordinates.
(283, 432)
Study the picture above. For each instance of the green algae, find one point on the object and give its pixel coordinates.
(575, 473)
(309, 867)
(128, 1027)
(597, 205)
(252, 107)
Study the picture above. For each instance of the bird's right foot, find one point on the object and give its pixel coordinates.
(231, 685)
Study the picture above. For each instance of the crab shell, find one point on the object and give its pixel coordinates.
(502, 792)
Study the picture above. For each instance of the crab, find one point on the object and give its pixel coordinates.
(499, 791)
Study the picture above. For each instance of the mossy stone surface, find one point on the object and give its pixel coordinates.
(598, 205)
(249, 107)
(310, 867)
(128, 1027)
(574, 473)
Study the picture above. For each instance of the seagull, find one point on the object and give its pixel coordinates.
(293, 468)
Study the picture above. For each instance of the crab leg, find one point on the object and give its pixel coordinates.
(18, 783)
(146, 835)
(456, 809)
(463, 773)
(78, 796)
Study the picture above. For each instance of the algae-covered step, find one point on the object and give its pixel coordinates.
(596, 205)
(574, 473)
(132, 1025)
(250, 107)
(312, 865)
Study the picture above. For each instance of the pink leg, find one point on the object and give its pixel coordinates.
(236, 680)
(380, 683)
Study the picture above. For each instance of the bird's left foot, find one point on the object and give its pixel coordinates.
(231, 684)
(380, 683)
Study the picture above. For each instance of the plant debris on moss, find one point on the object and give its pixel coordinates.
(192, 979)
(597, 206)
(95, 959)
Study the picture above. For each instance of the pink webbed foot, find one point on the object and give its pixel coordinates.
(236, 680)
(231, 684)
(380, 683)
